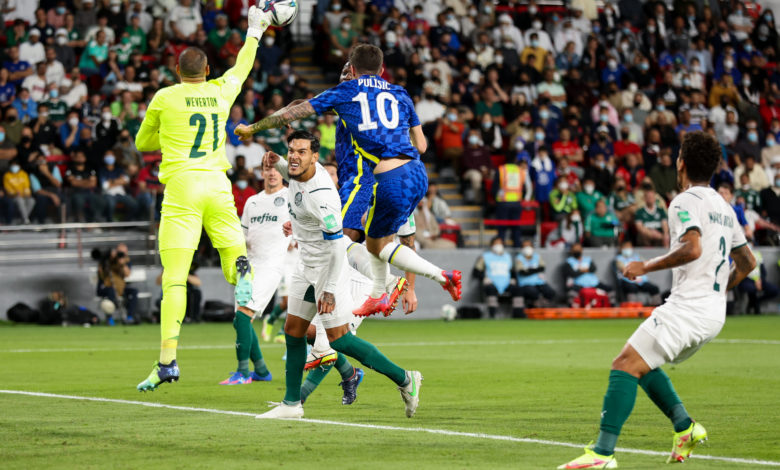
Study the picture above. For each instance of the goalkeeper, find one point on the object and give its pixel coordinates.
(187, 122)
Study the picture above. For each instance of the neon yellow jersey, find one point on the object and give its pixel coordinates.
(187, 121)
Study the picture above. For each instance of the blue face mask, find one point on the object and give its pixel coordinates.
(596, 28)
(452, 116)
(604, 117)
(544, 114)
(753, 137)
(770, 142)
(15, 169)
(2, 136)
(487, 125)
(54, 93)
(539, 136)
(627, 252)
(242, 184)
(109, 160)
(748, 48)
(628, 117)
(644, 66)
(661, 108)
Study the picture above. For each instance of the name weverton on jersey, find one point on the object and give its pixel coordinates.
(200, 101)
(373, 83)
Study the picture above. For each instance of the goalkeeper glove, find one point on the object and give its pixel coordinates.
(259, 21)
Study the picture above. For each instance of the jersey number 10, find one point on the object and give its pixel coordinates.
(199, 120)
(369, 124)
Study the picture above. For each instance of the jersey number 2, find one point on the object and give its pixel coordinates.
(199, 120)
(722, 248)
(365, 110)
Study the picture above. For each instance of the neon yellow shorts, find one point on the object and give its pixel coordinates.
(195, 200)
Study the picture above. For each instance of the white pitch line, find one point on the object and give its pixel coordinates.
(392, 344)
(443, 432)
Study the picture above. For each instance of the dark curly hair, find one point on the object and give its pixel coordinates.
(701, 154)
(305, 135)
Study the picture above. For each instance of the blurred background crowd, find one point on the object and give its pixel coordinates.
(576, 110)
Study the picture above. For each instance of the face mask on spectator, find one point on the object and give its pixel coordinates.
(612, 64)
(60, 10)
(777, 182)
(752, 136)
(519, 146)
(109, 159)
(2, 136)
(534, 43)
(62, 40)
(544, 114)
(661, 108)
(268, 41)
(770, 141)
(11, 118)
(563, 186)
(537, 25)
(627, 252)
(54, 94)
(499, 59)
(624, 46)
(141, 113)
(539, 136)
(589, 188)
(472, 56)
(628, 117)
(242, 184)
(498, 248)
(746, 82)
(73, 122)
(644, 66)
(404, 25)
(346, 26)
(596, 28)
(336, 7)
(115, 9)
(748, 48)
(487, 125)
(651, 29)
(452, 116)
(528, 251)
(604, 117)
(106, 116)
(626, 30)
(532, 10)
(728, 64)
(602, 164)
(686, 82)
(474, 140)
(576, 253)
(15, 168)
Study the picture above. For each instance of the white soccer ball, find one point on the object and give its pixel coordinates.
(448, 312)
(107, 307)
(283, 11)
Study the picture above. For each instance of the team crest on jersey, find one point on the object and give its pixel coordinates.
(298, 199)
(279, 201)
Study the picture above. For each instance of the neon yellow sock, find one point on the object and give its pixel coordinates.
(176, 266)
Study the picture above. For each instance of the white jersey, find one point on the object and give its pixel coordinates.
(262, 220)
(315, 213)
(701, 284)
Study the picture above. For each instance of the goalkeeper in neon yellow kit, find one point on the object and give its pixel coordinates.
(187, 122)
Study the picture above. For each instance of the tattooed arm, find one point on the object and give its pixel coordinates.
(744, 262)
(279, 119)
(688, 250)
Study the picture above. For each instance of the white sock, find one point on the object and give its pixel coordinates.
(379, 270)
(406, 259)
(360, 259)
(321, 340)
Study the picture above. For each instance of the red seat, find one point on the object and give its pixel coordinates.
(547, 228)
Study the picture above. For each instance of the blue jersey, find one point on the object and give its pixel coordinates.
(352, 167)
(377, 114)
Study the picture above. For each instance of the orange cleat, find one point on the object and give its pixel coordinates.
(400, 287)
(452, 283)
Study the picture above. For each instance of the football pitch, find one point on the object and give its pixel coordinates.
(497, 394)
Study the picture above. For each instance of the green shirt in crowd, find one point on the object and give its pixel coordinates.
(651, 219)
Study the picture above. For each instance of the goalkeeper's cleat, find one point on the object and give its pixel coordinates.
(591, 459)
(373, 305)
(279, 338)
(400, 287)
(266, 330)
(320, 358)
(283, 411)
(160, 373)
(452, 283)
(685, 441)
(243, 290)
(350, 387)
(411, 392)
(237, 378)
(261, 378)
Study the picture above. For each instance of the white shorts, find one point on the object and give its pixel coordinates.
(290, 264)
(672, 334)
(306, 287)
(264, 286)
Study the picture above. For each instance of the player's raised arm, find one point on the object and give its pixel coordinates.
(236, 75)
(279, 119)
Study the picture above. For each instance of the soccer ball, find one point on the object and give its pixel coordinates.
(283, 11)
(448, 312)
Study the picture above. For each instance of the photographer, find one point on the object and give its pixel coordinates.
(113, 269)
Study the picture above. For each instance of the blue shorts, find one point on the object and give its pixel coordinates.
(355, 201)
(396, 195)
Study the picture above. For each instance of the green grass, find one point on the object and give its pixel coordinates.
(539, 380)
